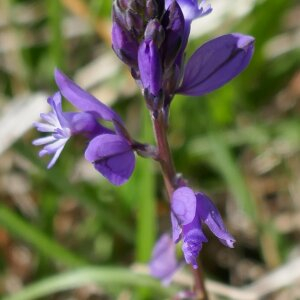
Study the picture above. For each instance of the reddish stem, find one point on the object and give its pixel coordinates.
(169, 174)
(164, 154)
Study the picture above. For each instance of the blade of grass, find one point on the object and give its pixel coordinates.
(22, 229)
(75, 279)
(224, 163)
(64, 186)
(145, 195)
(55, 24)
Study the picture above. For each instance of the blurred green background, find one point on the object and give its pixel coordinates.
(68, 234)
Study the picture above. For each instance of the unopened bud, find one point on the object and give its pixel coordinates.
(122, 4)
(135, 23)
(124, 45)
(154, 9)
(154, 31)
(173, 22)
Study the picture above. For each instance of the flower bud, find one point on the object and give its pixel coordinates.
(150, 67)
(154, 9)
(124, 45)
(135, 23)
(154, 31)
(173, 23)
(122, 4)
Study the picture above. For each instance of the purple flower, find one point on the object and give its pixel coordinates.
(62, 126)
(112, 156)
(150, 67)
(189, 212)
(215, 63)
(82, 100)
(211, 66)
(163, 264)
(173, 22)
(191, 9)
(110, 151)
(58, 127)
(151, 37)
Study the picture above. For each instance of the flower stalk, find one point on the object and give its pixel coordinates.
(171, 181)
(165, 158)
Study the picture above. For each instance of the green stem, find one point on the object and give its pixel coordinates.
(145, 194)
(55, 25)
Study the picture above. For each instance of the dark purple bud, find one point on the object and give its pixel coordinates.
(151, 9)
(150, 67)
(119, 16)
(173, 23)
(171, 81)
(215, 63)
(161, 7)
(154, 9)
(154, 31)
(192, 9)
(122, 4)
(137, 6)
(135, 23)
(124, 45)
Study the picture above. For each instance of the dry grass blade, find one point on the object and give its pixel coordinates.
(17, 117)
(282, 277)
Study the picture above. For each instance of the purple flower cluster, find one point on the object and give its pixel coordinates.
(109, 150)
(151, 37)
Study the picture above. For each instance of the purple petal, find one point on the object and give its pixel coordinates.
(150, 67)
(173, 23)
(112, 156)
(124, 44)
(215, 63)
(55, 103)
(176, 229)
(53, 147)
(163, 263)
(210, 215)
(55, 157)
(193, 238)
(86, 124)
(43, 127)
(191, 9)
(50, 117)
(82, 100)
(43, 140)
(184, 205)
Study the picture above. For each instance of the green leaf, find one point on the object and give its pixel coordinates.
(108, 276)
